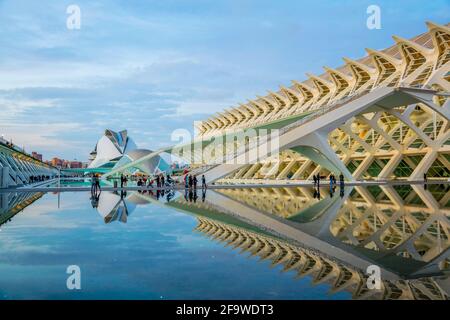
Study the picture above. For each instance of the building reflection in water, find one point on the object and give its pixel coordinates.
(14, 202)
(118, 206)
(402, 229)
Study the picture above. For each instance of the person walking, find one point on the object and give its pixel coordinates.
(203, 182)
(97, 185)
(332, 179)
(93, 184)
(341, 180)
(315, 180)
(158, 182)
(318, 180)
(194, 181)
(190, 182)
(121, 181)
(162, 181)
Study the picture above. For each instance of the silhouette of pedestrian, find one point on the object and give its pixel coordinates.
(203, 182)
(190, 182)
(194, 181)
(92, 184)
(341, 180)
(97, 185)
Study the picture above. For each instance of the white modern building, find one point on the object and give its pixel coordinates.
(110, 148)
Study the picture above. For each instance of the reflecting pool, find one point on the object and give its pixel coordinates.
(231, 243)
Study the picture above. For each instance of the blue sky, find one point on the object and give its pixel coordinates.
(155, 66)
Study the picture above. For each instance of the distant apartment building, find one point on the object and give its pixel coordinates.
(56, 162)
(36, 155)
(75, 164)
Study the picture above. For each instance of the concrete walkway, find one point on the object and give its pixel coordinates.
(323, 184)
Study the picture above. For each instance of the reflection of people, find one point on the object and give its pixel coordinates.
(95, 197)
(341, 180)
(317, 194)
(170, 195)
(195, 195)
(203, 194)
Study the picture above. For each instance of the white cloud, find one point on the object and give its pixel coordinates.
(43, 136)
(12, 107)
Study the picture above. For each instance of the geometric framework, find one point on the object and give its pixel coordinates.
(404, 142)
(19, 167)
(396, 123)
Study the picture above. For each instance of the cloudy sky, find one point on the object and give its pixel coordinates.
(155, 66)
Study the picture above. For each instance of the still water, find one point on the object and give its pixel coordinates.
(242, 243)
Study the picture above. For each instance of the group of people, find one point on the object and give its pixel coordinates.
(333, 184)
(190, 182)
(161, 181)
(40, 178)
(333, 181)
(191, 195)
